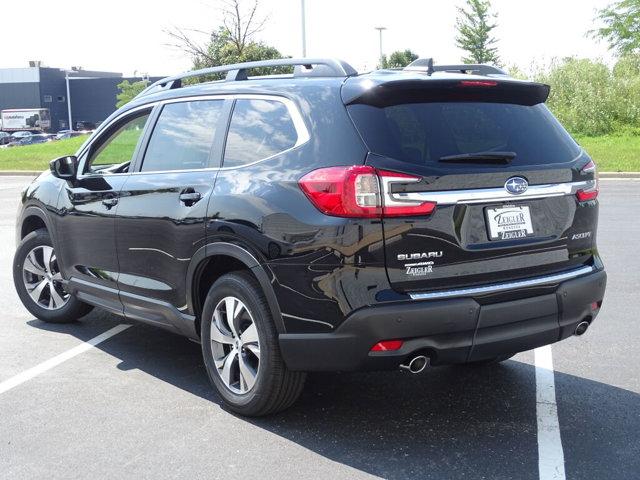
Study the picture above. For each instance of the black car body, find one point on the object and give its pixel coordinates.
(385, 216)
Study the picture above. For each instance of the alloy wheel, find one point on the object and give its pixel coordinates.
(235, 345)
(42, 278)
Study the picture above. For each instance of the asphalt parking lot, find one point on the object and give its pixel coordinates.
(139, 405)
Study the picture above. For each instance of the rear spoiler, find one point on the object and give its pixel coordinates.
(381, 91)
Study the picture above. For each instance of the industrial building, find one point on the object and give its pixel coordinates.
(90, 95)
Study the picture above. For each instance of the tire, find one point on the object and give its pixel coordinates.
(273, 388)
(491, 361)
(54, 305)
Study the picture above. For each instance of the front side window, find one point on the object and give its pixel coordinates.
(259, 129)
(183, 136)
(118, 147)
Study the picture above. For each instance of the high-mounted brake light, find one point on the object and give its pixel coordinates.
(590, 193)
(477, 83)
(355, 192)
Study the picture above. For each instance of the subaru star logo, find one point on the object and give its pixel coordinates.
(516, 185)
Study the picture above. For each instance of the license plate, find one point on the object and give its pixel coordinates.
(508, 223)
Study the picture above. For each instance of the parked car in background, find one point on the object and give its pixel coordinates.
(4, 138)
(80, 126)
(15, 136)
(64, 134)
(31, 140)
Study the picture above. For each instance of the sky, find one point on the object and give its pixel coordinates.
(129, 35)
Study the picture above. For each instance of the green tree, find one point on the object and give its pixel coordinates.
(475, 24)
(621, 26)
(223, 50)
(128, 91)
(231, 42)
(398, 59)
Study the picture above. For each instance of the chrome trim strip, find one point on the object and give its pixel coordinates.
(500, 287)
(481, 195)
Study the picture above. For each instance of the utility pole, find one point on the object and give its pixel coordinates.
(380, 30)
(304, 30)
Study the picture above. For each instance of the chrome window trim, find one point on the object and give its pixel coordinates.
(500, 287)
(298, 123)
(482, 195)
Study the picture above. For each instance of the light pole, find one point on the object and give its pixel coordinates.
(380, 30)
(66, 77)
(304, 29)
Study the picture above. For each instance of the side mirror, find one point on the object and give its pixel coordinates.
(64, 167)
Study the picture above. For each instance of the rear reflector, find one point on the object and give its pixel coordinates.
(360, 191)
(387, 345)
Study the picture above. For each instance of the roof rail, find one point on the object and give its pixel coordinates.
(426, 64)
(303, 67)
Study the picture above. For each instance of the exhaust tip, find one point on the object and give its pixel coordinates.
(581, 329)
(416, 365)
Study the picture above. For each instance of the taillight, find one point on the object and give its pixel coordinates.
(397, 208)
(355, 191)
(344, 191)
(591, 192)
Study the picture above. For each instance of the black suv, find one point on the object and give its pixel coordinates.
(323, 220)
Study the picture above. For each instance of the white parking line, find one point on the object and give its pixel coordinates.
(58, 359)
(550, 454)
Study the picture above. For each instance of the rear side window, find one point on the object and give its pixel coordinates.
(422, 133)
(183, 136)
(259, 129)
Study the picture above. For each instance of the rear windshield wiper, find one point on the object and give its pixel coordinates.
(480, 157)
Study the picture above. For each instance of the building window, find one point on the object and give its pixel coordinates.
(61, 98)
(48, 99)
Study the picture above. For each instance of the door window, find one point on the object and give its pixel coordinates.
(114, 153)
(259, 129)
(183, 136)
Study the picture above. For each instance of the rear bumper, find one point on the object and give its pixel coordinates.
(455, 330)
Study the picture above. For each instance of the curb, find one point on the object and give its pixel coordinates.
(619, 174)
(19, 173)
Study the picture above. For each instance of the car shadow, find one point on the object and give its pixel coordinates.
(452, 422)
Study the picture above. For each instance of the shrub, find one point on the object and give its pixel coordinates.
(589, 98)
(582, 95)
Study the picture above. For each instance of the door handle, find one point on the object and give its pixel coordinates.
(190, 197)
(110, 202)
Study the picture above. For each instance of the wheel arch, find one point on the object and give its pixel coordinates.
(222, 257)
(32, 219)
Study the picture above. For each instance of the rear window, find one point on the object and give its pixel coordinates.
(259, 129)
(422, 133)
